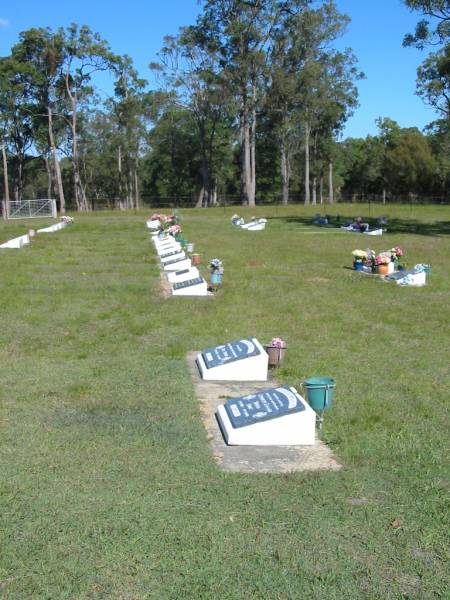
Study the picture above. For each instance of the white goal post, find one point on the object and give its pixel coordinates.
(32, 209)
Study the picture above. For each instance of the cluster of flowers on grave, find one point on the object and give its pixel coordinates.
(67, 220)
(277, 342)
(237, 220)
(369, 258)
(173, 229)
(216, 266)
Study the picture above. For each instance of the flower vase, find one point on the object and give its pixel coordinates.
(358, 265)
(276, 355)
(383, 269)
(216, 278)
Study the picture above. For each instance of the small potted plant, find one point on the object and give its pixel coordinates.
(276, 351)
(216, 268)
(396, 254)
(382, 261)
(359, 256)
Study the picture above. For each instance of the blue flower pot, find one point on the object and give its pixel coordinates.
(216, 278)
(358, 265)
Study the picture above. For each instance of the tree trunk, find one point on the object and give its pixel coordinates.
(321, 189)
(384, 195)
(62, 202)
(307, 193)
(253, 155)
(285, 174)
(80, 196)
(201, 195)
(137, 199)
(330, 183)
(48, 168)
(248, 170)
(314, 191)
(5, 203)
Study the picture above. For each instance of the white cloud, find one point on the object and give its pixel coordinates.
(4, 23)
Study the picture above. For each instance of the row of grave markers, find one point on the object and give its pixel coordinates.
(277, 416)
(184, 278)
(24, 240)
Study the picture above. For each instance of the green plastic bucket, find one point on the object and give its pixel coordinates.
(319, 392)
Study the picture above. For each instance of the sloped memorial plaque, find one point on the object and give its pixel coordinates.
(190, 287)
(241, 360)
(273, 417)
(179, 255)
(182, 275)
(408, 277)
(171, 253)
(177, 264)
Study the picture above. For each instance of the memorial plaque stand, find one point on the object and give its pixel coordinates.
(242, 360)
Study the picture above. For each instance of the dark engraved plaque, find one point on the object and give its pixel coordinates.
(166, 254)
(237, 350)
(174, 260)
(183, 272)
(188, 283)
(263, 406)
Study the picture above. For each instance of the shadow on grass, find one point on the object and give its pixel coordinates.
(394, 225)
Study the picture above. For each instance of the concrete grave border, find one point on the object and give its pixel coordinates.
(252, 459)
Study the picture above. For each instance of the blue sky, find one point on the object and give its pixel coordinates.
(137, 28)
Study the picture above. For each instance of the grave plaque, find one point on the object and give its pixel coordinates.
(187, 283)
(172, 253)
(183, 272)
(174, 261)
(263, 406)
(196, 286)
(273, 417)
(237, 350)
(241, 360)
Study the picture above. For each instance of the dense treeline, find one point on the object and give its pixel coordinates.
(251, 102)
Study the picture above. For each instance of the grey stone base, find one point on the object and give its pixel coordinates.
(252, 459)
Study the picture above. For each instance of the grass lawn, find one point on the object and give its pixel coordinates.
(108, 487)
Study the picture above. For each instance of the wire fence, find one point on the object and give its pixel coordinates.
(169, 202)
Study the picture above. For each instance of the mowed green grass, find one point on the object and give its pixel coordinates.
(108, 486)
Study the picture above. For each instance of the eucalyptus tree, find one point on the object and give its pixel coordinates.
(84, 54)
(434, 27)
(16, 110)
(312, 85)
(40, 54)
(130, 109)
(192, 72)
(243, 31)
(433, 30)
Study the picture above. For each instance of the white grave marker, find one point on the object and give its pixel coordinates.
(274, 417)
(241, 360)
(190, 287)
(177, 264)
